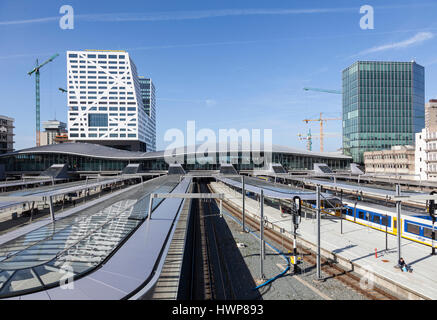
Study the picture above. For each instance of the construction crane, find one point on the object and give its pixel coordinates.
(62, 90)
(323, 90)
(36, 71)
(321, 120)
(309, 138)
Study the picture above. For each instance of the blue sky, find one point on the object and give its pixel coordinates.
(225, 64)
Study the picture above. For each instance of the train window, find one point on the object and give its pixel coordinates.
(412, 228)
(384, 221)
(427, 232)
(368, 216)
(361, 214)
(377, 219)
(350, 212)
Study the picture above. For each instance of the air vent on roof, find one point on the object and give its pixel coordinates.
(57, 171)
(132, 168)
(322, 168)
(175, 169)
(227, 168)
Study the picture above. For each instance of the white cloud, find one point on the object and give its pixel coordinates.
(27, 21)
(210, 102)
(180, 15)
(417, 39)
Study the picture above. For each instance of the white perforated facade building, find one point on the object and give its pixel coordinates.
(104, 100)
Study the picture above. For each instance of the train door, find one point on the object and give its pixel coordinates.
(395, 225)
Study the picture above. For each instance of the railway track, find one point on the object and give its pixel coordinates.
(219, 269)
(209, 278)
(328, 267)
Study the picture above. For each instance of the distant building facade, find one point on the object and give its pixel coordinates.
(431, 115)
(426, 144)
(383, 106)
(53, 130)
(398, 161)
(6, 134)
(147, 89)
(104, 100)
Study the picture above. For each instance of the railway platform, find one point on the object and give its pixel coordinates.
(356, 247)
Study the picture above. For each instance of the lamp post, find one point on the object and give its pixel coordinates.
(244, 202)
(261, 228)
(319, 272)
(398, 214)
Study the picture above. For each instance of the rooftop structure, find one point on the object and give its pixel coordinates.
(53, 129)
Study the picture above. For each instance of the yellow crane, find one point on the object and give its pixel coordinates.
(321, 120)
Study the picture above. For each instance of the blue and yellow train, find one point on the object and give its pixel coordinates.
(413, 226)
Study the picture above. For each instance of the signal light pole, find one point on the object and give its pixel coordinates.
(296, 220)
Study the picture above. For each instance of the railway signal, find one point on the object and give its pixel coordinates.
(297, 214)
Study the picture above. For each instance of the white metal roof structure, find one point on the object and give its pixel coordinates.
(275, 193)
(99, 151)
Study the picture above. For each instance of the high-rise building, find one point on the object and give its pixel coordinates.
(104, 100)
(6, 134)
(148, 96)
(53, 129)
(383, 106)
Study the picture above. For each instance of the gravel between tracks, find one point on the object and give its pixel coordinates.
(287, 287)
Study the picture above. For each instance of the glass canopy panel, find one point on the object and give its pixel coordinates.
(21, 280)
(77, 243)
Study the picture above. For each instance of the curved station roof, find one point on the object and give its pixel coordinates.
(99, 151)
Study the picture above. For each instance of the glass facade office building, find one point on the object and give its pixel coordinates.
(383, 106)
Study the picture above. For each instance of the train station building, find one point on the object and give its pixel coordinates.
(87, 157)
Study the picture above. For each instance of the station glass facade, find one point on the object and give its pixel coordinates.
(383, 106)
(36, 162)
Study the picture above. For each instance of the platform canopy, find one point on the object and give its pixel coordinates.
(274, 193)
